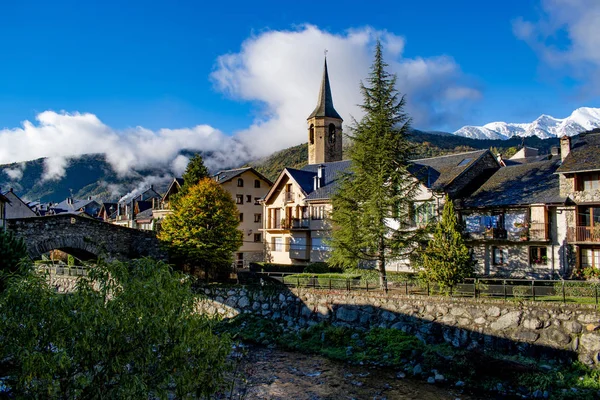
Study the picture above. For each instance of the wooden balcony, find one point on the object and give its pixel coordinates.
(584, 234)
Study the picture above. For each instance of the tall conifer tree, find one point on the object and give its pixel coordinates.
(372, 206)
(447, 260)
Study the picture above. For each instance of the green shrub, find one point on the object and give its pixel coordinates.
(12, 252)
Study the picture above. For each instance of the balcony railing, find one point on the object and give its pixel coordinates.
(300, 223)
(289, 197)
(528, 232)
(584, 234)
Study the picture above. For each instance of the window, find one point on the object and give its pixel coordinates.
(278, 244)
(257, 201)
(424, 213)
(257, 237)
(298, 243)
(318, 212)
(248, 198)
(239, 199)
(241, 217)
(464, 162)
(257, 183)
(590, 258)
(240, 182)
(589, 182)
(257, 217)
(331, 133)
(538, 255)
(319, 244)
(311, 134)
(589, 216)
(499, 256)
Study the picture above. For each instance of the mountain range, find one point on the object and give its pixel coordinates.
(545, 126)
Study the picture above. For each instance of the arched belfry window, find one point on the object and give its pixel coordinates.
(311, 134)
(331, 133)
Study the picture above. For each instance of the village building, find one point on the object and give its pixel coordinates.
(163, 207)
(247, 188)
(579, 180)
(132, 211)
(515, 223)
(16, 207)
(88, 207)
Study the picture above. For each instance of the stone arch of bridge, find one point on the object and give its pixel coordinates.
(76, 246)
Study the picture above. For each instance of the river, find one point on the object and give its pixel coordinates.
(276, 374)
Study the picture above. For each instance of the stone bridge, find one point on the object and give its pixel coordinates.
(84, 238)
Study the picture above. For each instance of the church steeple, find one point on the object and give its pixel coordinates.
(325, 102)
(324, 127)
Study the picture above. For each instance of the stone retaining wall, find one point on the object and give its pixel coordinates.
(561, 331)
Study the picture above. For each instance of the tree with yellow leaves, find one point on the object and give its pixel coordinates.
(203, 230)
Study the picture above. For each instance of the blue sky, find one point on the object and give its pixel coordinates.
(159, 64)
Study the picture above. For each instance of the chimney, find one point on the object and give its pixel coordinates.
(10, 190)
(89, 197)
(565, 146)
(316, 182)
(499, 158)
(555, 151)
(321, 175)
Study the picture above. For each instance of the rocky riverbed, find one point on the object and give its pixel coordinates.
(276, 374)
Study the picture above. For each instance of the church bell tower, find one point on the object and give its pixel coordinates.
(324, 127)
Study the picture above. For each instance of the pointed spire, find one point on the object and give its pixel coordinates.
(325, 102)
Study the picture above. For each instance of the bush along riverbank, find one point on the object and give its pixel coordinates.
(439, 364)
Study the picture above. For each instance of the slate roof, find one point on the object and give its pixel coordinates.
(584, 154)
(521, 184)
(226, 175)
(437, 173)
(144, 215)
(65, 207)
(331, 174)
(325, 102)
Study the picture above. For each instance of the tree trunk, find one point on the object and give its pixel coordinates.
(381, 267)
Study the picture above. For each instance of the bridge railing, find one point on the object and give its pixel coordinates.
(62, 270)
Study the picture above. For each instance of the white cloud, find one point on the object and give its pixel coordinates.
(54, 168)
(59, 136)
(16, 173)
(565, 37)
(282, 71)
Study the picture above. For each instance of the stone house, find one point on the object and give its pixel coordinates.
(70, 205)
(247, 188)
(515, 222)
(579, 179)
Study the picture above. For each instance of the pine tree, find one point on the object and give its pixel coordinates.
(378, 191)
(447, 260)
(194, 172)
(202, 231)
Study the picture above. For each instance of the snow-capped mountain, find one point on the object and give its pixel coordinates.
(545, 126)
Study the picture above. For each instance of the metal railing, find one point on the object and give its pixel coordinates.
(564, 291)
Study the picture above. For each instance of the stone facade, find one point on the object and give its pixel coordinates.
(539, 329)
(85, 237)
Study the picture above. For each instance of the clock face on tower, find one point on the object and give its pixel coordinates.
(331, 133)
